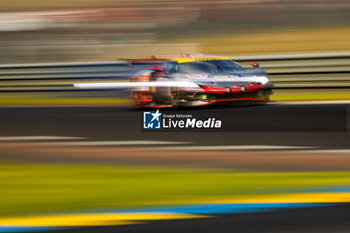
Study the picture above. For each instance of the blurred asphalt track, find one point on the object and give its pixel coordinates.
(324, 146)
(324, 126)
(333, 218)
(278, 137)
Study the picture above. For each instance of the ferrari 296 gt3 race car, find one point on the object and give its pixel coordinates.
(193, 81)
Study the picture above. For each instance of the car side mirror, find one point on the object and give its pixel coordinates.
(255, 64)
(159, 69)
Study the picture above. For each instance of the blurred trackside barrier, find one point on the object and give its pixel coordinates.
(295, 71)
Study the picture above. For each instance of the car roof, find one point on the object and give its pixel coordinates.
(199, 58)
(182, 59)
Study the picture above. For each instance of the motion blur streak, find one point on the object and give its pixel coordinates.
(92, 219)
(33, 138)
(264, 203)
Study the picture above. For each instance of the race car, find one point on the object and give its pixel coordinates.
(193, 81)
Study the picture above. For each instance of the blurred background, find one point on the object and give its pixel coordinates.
(60, 30)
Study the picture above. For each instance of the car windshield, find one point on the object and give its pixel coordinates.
(226, 65)
(197, 67)
(147, 64)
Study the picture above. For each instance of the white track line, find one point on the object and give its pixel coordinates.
(333, 151)
(34, 138)
(313, 102)
(240, 147)
(114, 143)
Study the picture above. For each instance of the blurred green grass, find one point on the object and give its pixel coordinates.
(46, 188)
(30, 101)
